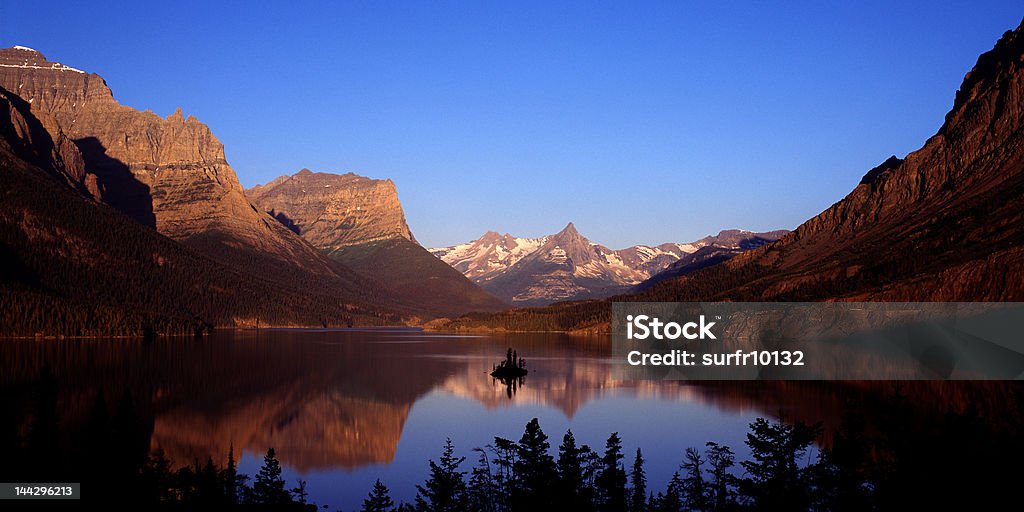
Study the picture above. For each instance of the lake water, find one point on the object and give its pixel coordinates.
(345, 407)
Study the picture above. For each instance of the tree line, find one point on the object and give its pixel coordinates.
(524, 475)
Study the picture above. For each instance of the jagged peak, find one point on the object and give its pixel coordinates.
(177, 116)
(490, 236)
(570, 229)
(987, 71)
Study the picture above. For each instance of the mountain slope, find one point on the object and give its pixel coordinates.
(419, 280)
(169, 174)
(724, 247)
(568, 266)
(944, 224)
(72, 266)
(359, 222)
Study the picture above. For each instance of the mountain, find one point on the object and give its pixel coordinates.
(359, 222)
(334, 211)
(725, 246)
(70, 265)
(169, 174)
(568, 266)
(946, 223)
(488, 255)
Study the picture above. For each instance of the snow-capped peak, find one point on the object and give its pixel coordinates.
(25, 48)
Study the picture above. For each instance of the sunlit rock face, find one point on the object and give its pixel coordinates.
(358, 222)
(169, 173)
(333, 211)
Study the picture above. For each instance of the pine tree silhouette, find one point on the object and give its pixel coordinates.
(638, 482)
(611, 481)
(268, 488)
(775, 480)
(379, 499)
(571, 492)
(535, 470)
(445, 490)
(230, 478)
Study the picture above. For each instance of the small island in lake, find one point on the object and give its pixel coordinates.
(511, 368)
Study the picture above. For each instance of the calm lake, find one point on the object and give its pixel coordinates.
(345, 407)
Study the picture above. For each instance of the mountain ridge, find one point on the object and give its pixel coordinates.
(567, 265)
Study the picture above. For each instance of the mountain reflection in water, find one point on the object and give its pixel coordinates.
(329, 400)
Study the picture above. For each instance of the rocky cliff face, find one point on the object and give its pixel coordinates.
(945, 223)
(333, 211)
(359, 223)
(568, 266)
(168, 173)
(73, 266)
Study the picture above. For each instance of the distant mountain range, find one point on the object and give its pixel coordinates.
(946, 223)
(568, 266)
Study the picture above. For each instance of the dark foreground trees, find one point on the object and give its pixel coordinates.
(524, 476)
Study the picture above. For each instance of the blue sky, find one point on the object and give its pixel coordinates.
(642, 122)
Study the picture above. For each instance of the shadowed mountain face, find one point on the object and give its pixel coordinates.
(167, 173)
(359, 223)
(72, 266)
(568, 266)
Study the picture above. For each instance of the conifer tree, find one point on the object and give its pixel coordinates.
(535, 470)
(638, 483)
(268, 488)
(611, 481)
(379, 499)
(445, 490)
